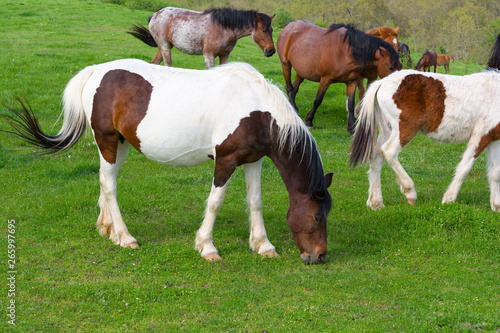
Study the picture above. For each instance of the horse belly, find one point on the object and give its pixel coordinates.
(174, 145)
(188, 37)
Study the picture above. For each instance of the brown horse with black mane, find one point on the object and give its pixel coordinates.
(429, 59)
(339, 54)
(212, 33)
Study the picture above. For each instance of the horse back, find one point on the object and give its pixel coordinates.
(184, 29)
(172, 116)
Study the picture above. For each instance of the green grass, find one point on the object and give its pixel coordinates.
(430, 267)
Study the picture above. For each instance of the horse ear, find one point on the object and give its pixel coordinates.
(273, 16)
(258, 18)
(396, 30)
(328, 179)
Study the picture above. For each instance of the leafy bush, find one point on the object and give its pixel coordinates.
(282, 17)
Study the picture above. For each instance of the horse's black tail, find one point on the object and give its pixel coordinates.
(25, 123)
(142, 33)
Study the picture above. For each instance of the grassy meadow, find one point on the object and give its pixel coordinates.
(422, 268)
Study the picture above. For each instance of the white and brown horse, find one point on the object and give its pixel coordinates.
(445, 108)
(230, 114)
(212, 33)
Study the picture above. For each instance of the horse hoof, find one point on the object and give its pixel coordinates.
(411, 201)
(212, 257)
(270, 254)
(132, 245)
(310, 127)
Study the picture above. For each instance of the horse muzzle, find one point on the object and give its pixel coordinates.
(269, 52)
(313, 258)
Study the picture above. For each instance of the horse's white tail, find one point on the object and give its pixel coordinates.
(365, 136)
(26, 124)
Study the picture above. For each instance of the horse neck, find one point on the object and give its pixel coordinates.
(240, 33)
(295, 167)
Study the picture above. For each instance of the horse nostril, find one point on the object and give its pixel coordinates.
(269, 52)
(321, 257)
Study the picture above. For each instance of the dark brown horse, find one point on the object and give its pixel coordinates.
(404, 51)
(429, 59)
(339, 54)
(212, 33)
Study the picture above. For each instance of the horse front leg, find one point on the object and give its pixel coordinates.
(204, 243)
(351, 102)
(324, 83)
(258, 236)
(291, 89)
(223, 59)
(361, 93)
(222, 175)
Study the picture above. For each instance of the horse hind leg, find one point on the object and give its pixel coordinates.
(323, 86)
(158, 58)
(258, 237)
(375, 199)
(390, 151)
(110, 220)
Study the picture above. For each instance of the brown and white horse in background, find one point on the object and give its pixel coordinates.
(445, 108)
(444, 60)
(212, 33)
(230, 114)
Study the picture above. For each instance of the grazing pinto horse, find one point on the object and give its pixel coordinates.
(179, 117)
(444, 60)
(429, 59)
(339, 54)
(445, 108)
(213, 33)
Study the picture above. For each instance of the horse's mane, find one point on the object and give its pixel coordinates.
(494, 62)
(230, 18)
(293, 134)
(363, 46)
